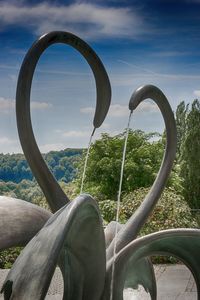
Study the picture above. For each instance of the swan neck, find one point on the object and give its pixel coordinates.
(131, 229)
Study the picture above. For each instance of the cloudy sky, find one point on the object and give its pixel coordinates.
(140, 42)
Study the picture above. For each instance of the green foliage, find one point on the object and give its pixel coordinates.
(70, 189)
(8, 257)
(108, 210)
(143, 159)
(14, 167)
(30, 191)
(171, 211)
(62, 163)
(190, 154)
(181, 114)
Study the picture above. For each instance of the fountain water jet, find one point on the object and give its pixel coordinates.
(86, 160)
(118, 205)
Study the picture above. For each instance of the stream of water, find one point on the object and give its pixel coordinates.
(86, 160)
(118, 205)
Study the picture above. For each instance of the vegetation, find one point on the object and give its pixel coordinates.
(181, 113)
(14, 167)
(190, 154)
(143, 159)
(170, 212)
(8, 257)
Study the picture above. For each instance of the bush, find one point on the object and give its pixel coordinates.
(170, 212)
(8, 257)
(108, 210)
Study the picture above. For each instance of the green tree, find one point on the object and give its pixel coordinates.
(14, 167)
(143, 159)
(190, 157)
(181, 116)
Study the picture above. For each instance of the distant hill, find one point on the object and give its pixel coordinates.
(14, 167)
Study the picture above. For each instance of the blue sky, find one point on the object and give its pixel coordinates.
(139, 42)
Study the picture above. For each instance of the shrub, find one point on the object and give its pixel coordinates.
(171, 211)
(8, 257)
(108, 210)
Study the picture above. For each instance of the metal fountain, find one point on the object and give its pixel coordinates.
(73, 237)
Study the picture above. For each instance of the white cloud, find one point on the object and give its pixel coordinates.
(105, 126)
(7, 105)
(40, 105)
(118, 110)
(147, 106)
(7, 141)
(85, 19)
(87, 110)
(9, 145)
(52, 147)
(197, 93)
(76, 134)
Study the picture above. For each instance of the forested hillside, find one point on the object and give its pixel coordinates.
(14, 167)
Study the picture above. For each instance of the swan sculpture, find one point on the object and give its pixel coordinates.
(74, 235)
(50, 187)
(19, 220)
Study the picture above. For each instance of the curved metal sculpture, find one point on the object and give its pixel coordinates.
(12, 222)
(19, 224)
(145, 275)
(135, 223)
(51, 189)
(73, 236)
(76, 233)
(19, 221)
(181, 243)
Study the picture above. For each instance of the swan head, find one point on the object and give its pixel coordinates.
(141, 94)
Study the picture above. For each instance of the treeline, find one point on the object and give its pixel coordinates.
(14, 167)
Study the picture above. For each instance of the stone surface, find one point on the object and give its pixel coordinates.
(175, 282)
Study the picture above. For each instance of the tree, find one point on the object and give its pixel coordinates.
(142, 162)
(14, 167)
(190, 157)
(181, 115)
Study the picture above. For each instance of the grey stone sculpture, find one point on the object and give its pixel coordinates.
(24, 220)
(19, 221)
(73, 236)
(52, 191)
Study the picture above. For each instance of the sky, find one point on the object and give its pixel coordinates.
(139, 42)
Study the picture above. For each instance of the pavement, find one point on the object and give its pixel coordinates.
(175, 282)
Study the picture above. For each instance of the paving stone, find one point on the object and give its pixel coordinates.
(174, 282)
